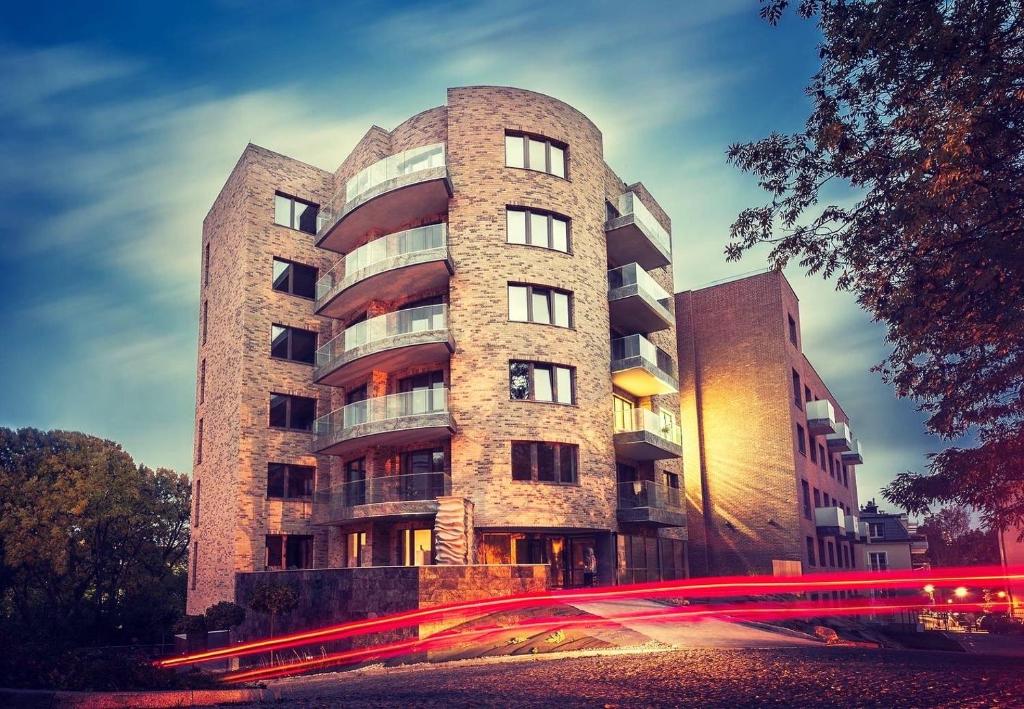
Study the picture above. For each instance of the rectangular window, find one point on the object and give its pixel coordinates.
(294, 412)
(415, 547)
(291, 482)
(831, 554)
(875, 530)
(806, 488)
(298, 551)
(817, 498)
(195, 563)
(199, 491)
(821, 456)
(879, 560)
(275, 551)
(294, 278)
(536, 381)
(354, 543)
(545, 462)
(535, 304)
(199, 442)
(796, 390)
(293, 344)
(814, 453)
(821, 551)
(202, 381)
(544, 229)
(206, 264)
(206, 313)
(810, 551)
(535, 153)
(295, 213)
(828, 500)
(792, 330)
(807, 394)
(801, 441)
(622, 411)
(846, 478)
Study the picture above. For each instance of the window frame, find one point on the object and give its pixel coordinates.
(289, 330)
(531, 393)
(527, 212)
(794, 337)
(285, 481)
(531, 289)
(801, 441)
(206, 321)
(202, 381)
(199, 441)
(291, 211)
(548, 144)
(797, 391)
(290, 290)
(557, 448)
(289, 399)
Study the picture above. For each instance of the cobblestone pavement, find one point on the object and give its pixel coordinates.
(791, 677)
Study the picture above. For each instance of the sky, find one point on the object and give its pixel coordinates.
(119, 122)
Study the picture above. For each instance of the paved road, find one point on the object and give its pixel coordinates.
(791, 677)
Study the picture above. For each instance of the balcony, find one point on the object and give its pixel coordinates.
(648, 502)
(852, 456)
(821, 417)
(830, 521)
(635, 236)
(646, 435)
(390, 420)
(853, 527)
(642, 368)
(390, 497)
(407, 187)
(398, 340)
(636, 301)
(387, 269)
(841, 440)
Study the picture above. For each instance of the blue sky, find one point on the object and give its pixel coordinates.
(121, 123)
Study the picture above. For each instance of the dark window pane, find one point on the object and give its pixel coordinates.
(299, 551)
(303, 413)
(305, 217)
(282, 272)
(437, 463)
(545, 462)
(275, 480)
(278, 410)
(278, 341)
(567, 463)
(521, 463)
(303, 346)
(304, 280)
(274, 551)
(300, 481)
(519, 380)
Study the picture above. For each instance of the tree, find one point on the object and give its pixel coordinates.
(224, 615)
(952, 541)
(92, 546)
(917, 109)
(272, 599)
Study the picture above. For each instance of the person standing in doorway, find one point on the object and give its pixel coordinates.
(589, 566)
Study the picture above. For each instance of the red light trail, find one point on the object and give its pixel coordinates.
(718, 587)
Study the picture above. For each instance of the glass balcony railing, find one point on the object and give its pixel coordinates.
(410, 487)
(426, 318)
(647, 493)
(420, 240)
(629, 203)
(647, 421)
(406, 162)
(638, 346)
(380, 409)
(633, 275)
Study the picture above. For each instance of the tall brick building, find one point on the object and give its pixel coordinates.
(769, 455)
(456, 348)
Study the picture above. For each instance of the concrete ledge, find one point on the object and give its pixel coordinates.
(115, 700)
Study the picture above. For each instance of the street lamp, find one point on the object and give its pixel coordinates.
(960, 592)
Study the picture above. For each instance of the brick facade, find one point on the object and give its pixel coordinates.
(237, 444)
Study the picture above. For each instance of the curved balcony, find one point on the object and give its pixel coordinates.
(400, 189)
(388, 269)
(648, 502)
(647, 435)
(636, 302)
(389, 497)
(398, 340)
(636, 236)
(390, 420)
(642, 368)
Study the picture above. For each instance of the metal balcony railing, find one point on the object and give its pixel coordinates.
(379, 409)
(630, 203)
(633, 275)
(645, 420)
(426, 318)
(638, 346)
(647, 493)
(409, 487)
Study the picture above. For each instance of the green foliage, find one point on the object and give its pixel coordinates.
(273, 599)
(191, 624)
(952, 541)
(917, 109)
(93, 548)
(224, 615)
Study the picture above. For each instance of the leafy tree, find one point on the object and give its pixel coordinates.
(224, 615)
(92, 546)
(952, 541)
(917, 109)
(272, 599)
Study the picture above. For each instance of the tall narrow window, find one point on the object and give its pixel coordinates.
(537, 381)
(821, 456)
(295, 213)
(195, 563)
(792, 330)
(810, 551)
(206, 312)
(548, 306)
(535, 153)
(292, 343)
(536, 228)
(206, 264)
(796, 390)
(294, 278)
(806, 488)
(199, 490)
(801, 440)
(199, 442)
(202, 381)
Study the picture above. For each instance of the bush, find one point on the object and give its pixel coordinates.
(190, 624)
(224, 616)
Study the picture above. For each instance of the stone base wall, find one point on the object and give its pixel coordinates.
(332, 596)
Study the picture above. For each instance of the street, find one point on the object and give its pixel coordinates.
(792, 677)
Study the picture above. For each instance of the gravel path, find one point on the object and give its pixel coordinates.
(792, 677)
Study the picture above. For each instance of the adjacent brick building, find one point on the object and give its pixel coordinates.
(769, 456)
(456, 348)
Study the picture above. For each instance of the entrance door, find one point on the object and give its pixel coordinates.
(579, 545)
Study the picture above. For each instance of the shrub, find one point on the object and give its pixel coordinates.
(190, 624)
(224, 616)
